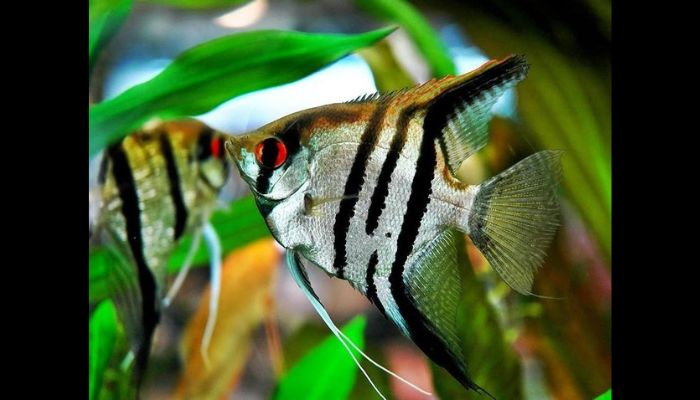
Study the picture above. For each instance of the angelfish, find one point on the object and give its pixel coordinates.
(366, 191)
(157, 185)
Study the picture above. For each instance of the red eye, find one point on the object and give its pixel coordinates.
(271, 153)
(216, 147)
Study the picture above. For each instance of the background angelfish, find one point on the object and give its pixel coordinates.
(157, 185)
(366, 190)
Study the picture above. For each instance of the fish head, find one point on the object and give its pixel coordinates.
(204, 148)
(279, 163)
(274, 162)
(214, 166)
(271, 160)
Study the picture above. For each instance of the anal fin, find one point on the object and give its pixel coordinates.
(433, 289)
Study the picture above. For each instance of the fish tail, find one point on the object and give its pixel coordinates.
(514, 216)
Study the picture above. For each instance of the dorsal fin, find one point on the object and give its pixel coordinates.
(461, 111)
(365, 98)
(370, 97)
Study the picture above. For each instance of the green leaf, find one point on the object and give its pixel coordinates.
(423, 35)
(236, 226)
(211, 73)
(105, 18)
(197, 4)
(491, 361)
(605, 396)
(100, 260)
(103, 333)
(304, 338)
(327, 371)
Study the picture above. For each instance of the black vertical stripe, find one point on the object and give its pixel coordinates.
(175, 189)
(132, 214)
(371, 287)
(353, 186)
(415, 210)
(102, 172)
(270, 151)
(420, 328)
(262, 183)
(204, 144)
(433, 124)
(381, 191)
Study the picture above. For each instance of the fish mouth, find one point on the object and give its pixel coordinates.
(233, 146)
(238, 147)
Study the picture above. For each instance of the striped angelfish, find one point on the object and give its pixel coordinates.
(157, 185)
(366, 190)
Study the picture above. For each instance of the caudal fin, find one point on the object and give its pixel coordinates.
(514, 217)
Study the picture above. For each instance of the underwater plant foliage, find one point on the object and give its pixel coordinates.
(208, 74)
(326, 371)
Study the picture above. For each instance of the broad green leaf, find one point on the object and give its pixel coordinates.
(197, 4)
(423, 35)
(303, 339)
(605, 396)
(211, 73)
(491, 361)
(103, 333)
(327, 371)
(237, 226)
(105, 18)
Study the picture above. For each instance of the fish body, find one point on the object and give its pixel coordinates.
(157, 185)
(366, 191)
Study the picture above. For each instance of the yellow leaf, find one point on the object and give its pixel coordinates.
(247, 282)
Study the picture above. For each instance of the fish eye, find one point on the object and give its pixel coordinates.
(216, 146)
(271, 153)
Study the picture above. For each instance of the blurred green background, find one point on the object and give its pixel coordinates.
(218, 61)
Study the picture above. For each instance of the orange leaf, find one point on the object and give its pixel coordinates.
(247, 282)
